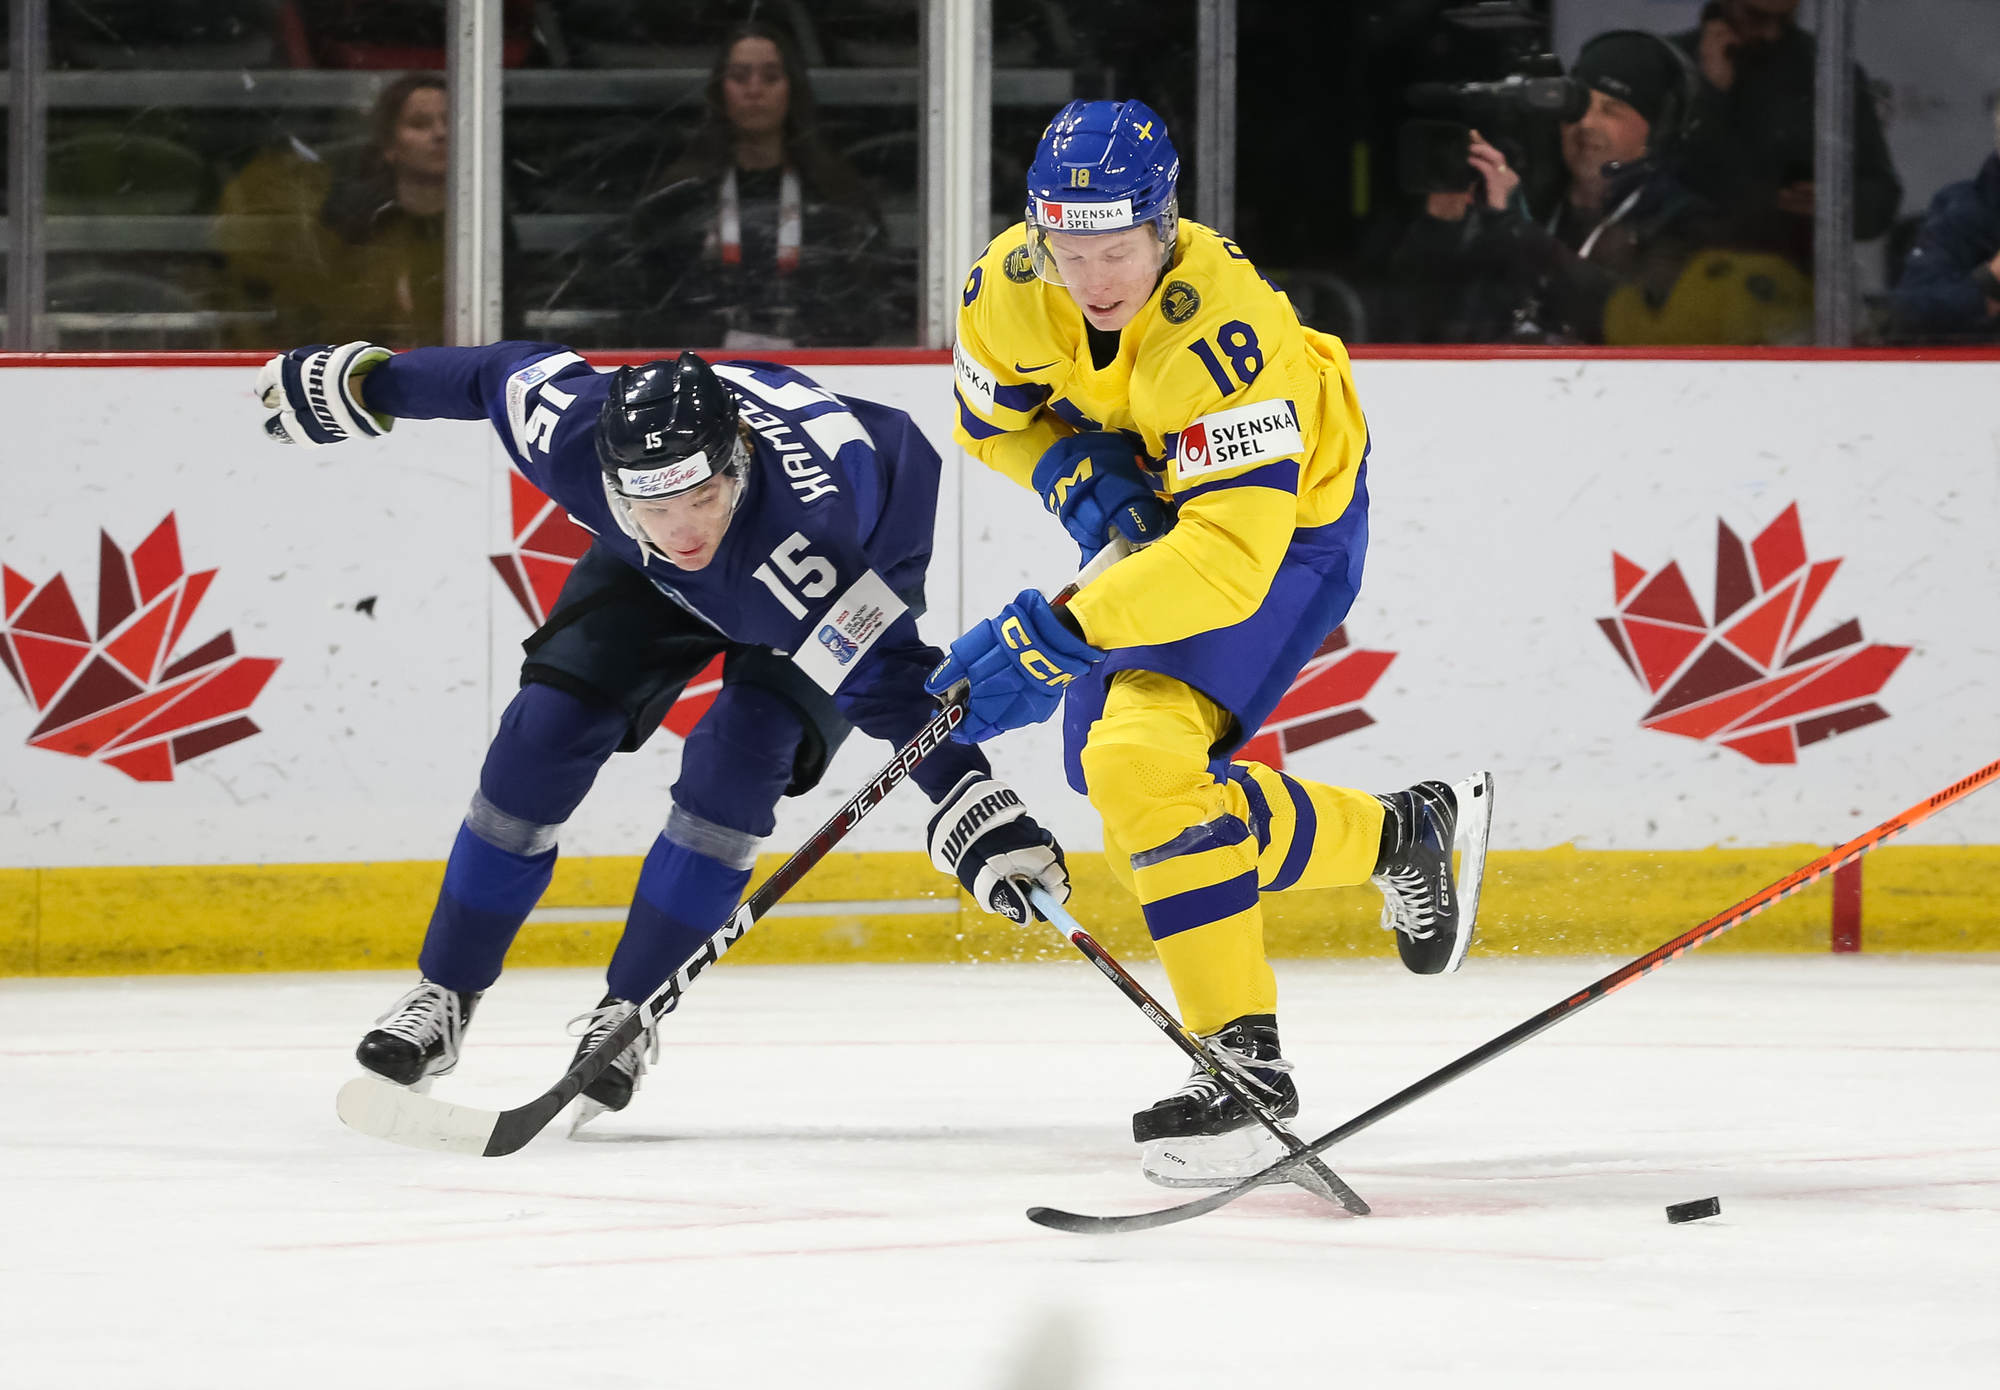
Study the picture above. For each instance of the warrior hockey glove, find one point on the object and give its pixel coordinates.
(312, 390)
(1093, 482)
(984, 835)
(1015, 665)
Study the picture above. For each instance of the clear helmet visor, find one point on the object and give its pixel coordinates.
(1077, 238)
(688, 518)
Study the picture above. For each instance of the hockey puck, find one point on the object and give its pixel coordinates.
(1693, 1211)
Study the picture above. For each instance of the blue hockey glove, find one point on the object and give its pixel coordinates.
(312, 391)
(984, 835)
(1016, 664)
(1094, 483)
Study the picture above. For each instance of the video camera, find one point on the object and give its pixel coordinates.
(1517, 112)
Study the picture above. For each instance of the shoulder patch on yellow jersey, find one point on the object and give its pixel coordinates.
(1243, 434)
(1020, 265)
(978, 384)
(1179, 301)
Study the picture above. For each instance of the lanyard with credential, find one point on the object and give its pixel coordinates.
(791, 222)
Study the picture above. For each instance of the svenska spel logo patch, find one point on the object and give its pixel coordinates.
(1242, 434)
(1105, 216)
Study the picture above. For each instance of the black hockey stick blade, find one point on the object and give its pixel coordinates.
(1310, 1173)
(1715, 926)
(383, 1110)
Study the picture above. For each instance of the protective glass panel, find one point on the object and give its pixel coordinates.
(711, 174)
(1046, 54)
(247, 173)
(1522, 171)
(1929, 277)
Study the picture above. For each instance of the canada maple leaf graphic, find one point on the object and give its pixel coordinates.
(1322, 702)
(547, 545)
(1743, 680)
(119, 697)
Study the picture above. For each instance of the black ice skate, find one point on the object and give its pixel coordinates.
(613, 1088)
(1431, 909)
(1201, 1136)
(418, 1038)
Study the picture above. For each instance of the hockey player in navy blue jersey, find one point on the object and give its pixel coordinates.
(738, 509)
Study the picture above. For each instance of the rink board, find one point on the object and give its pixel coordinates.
(1501, 491)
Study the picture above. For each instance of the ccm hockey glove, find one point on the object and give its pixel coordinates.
(312, 392)
(1094, 484)
(984, 835)
(1016, 665)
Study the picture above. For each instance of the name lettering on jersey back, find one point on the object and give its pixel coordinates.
(978, 383)
(1240, 435)
(802, 471)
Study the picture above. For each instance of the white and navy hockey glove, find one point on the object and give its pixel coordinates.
(984, 835)
(312, 391)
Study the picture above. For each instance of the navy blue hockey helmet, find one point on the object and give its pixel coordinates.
(666, 428)
(1103, 166)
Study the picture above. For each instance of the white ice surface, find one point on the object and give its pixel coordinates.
(823, 1185)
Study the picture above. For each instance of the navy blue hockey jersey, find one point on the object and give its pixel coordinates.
(823, 556)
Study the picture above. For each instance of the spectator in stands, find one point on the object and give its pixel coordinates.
(759, 235)
(387, 221)
(1950, 286)
(1750, 151)
(1619, 258)
(339, 253)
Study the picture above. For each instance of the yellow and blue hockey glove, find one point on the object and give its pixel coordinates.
(1017, 666)
(1093, 482)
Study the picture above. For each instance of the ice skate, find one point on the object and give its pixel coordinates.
(418, 1038)
(1201, 1136)
(613, 1088)
(1431, 909)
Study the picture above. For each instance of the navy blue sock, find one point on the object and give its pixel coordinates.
(658, 938)
(488, 892)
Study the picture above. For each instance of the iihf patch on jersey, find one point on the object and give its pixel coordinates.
(848, 629)
(1105, 216)
(977, 382)
(1242, 434)
(519, 385)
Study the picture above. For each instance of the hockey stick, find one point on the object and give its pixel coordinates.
(1315, 1176)
(1541, 1022)
(378, 1107)
(381, 1108)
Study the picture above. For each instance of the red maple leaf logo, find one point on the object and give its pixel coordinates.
(1742, 680)
(547, 545)
(1322, 702)
(118, 697)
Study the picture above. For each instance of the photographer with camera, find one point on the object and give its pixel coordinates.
(1609, 260)
(1751, 151)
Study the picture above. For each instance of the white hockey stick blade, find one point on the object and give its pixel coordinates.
(1475, 828)
(383, 1110)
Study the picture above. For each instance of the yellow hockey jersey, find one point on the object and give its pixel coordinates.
(1253, 415)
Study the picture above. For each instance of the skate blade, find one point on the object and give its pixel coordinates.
(1475, 827)
(586, 1111)
(1209, 1160)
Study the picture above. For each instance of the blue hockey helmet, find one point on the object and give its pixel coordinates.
(1103, 166)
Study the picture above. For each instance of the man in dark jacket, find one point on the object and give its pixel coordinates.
(1750, 151)
(1483, 266)
(1951, 283)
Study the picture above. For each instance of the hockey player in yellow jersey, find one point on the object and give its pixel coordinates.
(1136, 371)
